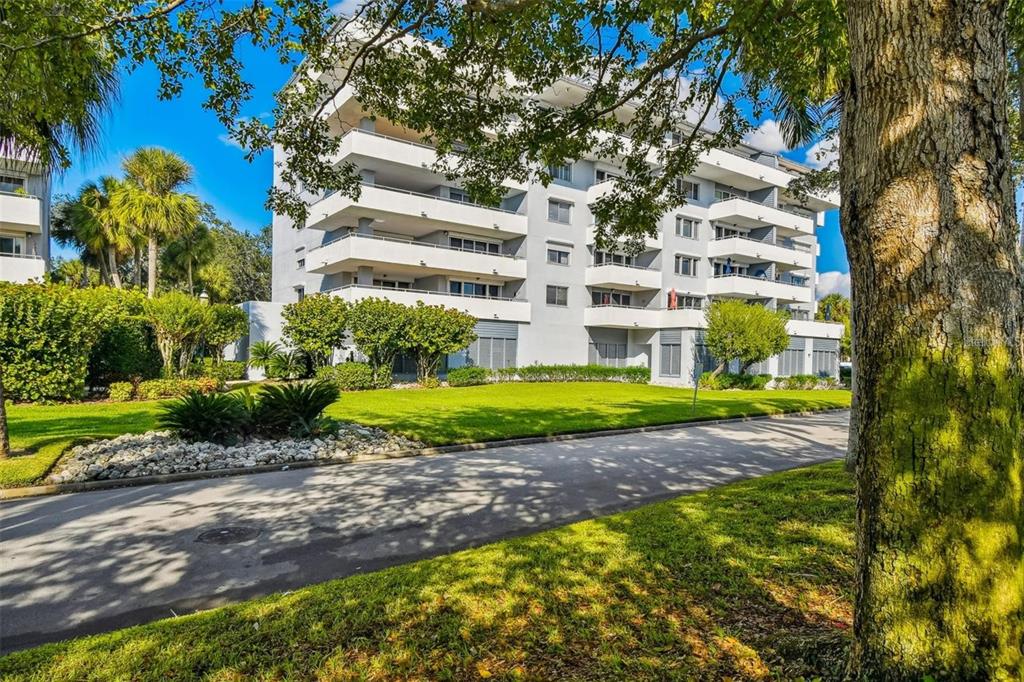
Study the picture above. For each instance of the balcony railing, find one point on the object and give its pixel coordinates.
(421, 291)
(761, 279)
(411, 242)
(623, 265)
(21, 195)
(388, 137)
(425, 196)
(29, 256)
(794, 246)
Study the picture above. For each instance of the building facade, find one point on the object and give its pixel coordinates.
(529, 269)
(24, 221)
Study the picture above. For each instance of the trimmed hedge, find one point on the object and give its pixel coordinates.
(804, 382)
(155, 389)
(746, 382)
(629, 375)
(468, 376)
(348, 376)
(225, 370)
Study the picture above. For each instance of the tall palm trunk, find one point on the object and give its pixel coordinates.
(152, 265)
(115, 274)
(104, 268)
(5, 440)
(189, 268)
(137, 260)
(938, 311)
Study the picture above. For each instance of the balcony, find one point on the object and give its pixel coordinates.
(815, 328)
(625, 277)
(743, 286)
(758, 251)
(737, 170)
(650, 243)
(358, 142)
(740, 211)
(508, 309)
(621, 317)
(426, 210)
(353, 250)
(21, 212)
(692, 318)
(21, 269)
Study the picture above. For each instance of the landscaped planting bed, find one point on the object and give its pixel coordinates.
(158, 452)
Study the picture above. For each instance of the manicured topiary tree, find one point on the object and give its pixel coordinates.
(746, 332)
(379, 328)
(227, 324)
(434, 332)
(316, 326)
(179, 322)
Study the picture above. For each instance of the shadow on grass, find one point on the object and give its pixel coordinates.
(750, 581)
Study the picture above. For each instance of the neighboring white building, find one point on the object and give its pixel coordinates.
(24, 220)
(529, 269)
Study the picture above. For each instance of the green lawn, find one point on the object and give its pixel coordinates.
(748, 581)
(439, 416)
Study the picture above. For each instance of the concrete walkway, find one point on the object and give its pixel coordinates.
(89, 562)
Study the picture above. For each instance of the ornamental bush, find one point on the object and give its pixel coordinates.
(165, 388)
(316, 326)
(468, 376)
(225, 370)
(122, 391)
(348, 376)
(803, 382)
(746, 382)
(433, 332)
(125, 350)
(631, 375)
(207, 417)
(47, 333)
(294, 409)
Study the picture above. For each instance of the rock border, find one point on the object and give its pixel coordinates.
(7, 494)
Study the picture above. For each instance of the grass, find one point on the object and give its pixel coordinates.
(41, 433)
(748, 581)
(498, 411)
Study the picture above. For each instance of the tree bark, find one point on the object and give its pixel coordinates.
(938, 313)
(137, 274)
(151, 257)
(5, 439)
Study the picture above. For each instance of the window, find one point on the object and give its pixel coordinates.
(684, 301)
(301, 263)
(459, 195)
(686, 227)
(559, 211)
(727, 268)
(12, 245)
(726, 232)
(11, 183)
(478, 245)
(561, 172)
(689, 190)
(671, 359)
(608, 354)
(616, 298)
(300, 293)
(475, 289)
(686, 266)
(725, 194)
(603, 175)
(558, 295)
(558, 257)
(607, 258)
(492, 352)
(390, 284)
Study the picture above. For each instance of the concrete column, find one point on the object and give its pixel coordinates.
(365, 226)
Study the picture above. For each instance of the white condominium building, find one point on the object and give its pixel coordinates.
(24, 220)
(529, 270)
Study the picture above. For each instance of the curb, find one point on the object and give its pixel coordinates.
(85, 486)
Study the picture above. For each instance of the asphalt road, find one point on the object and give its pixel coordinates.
(96, 561)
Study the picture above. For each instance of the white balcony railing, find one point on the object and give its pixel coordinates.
(21, 212)
(746, 286)
(21, 268)
(741, 211)
(631, 277)
(761, 251)
(481, 307)
(333, 255)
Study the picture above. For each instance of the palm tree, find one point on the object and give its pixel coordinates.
(191, 250)
(104, 203)
(154, 201)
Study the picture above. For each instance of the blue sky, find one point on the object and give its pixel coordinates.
(238, 188)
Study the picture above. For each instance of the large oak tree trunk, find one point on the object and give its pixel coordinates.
(938, 429)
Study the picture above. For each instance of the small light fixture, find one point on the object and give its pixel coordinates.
(204, 298)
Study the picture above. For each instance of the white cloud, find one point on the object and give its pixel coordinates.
(822, 153)
(833, 283)
(230, 141)
(346, 7)
(767, 137)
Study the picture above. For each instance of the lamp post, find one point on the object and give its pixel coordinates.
(204, 298)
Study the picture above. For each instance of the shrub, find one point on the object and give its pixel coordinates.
(226, 324)
(746, 382)
(225, 370)
(379, 329)
(468, 376)
(632, 375)
(126, 348)
(433, 332)
(262, 352)
(294, 409)
(209, 417)
(797, 382)
(179, 322)
(46, 336)
(175, 388)
(430, 382)
(121, 391)
(288, 365)
(710, 381)
(348, 376)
